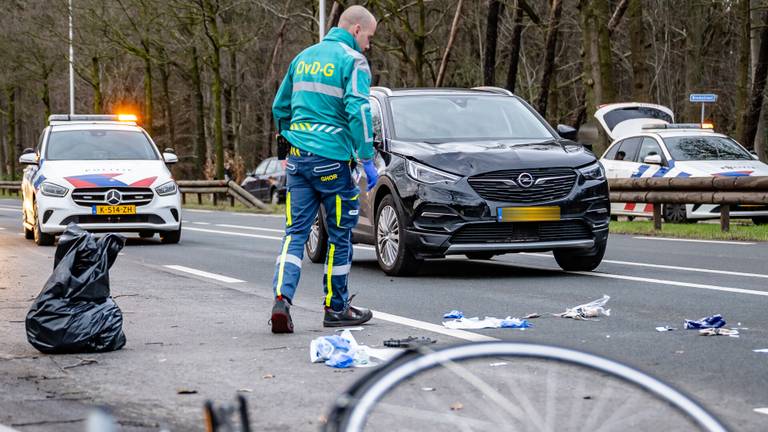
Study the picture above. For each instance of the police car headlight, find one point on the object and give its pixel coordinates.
(166, 189)
(428, 175)
(593, 172)
(53, 190)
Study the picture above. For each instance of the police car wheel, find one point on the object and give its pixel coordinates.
(41, 238)
(578, 260)
(28, 233)
(170, 237)
(675, 213)
(391, 251)
(317, 242)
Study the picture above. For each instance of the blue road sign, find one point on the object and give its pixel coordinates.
(702, 97)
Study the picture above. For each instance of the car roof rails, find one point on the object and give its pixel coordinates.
(92, 118)
(493, 89)
(386, 90)
(708, 127)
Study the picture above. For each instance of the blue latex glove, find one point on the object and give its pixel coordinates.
(370, 173)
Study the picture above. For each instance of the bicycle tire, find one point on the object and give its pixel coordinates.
(352, 408)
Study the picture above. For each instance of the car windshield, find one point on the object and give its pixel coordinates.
(99, 144)
(700, 147)
(442, 118)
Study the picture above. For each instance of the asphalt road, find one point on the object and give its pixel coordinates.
(652, 282)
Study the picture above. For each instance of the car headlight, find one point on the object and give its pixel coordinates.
(53, 190)
(427, 174)
(166, 188)
(593, 172)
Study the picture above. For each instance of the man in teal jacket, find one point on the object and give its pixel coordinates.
(322, 110)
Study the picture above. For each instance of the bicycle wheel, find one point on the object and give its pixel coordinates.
(505, 386)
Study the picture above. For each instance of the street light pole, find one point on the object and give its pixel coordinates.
(71, 65)
(322, 20)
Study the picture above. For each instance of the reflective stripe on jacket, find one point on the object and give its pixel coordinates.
(322, 104)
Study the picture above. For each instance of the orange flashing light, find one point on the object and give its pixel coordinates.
(707, 125)
(127, 118)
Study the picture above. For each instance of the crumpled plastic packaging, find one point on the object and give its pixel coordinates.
(587, 311)
(665, 329)
(74, 312)
(342, 351)
(454, 314)
(487, 322)
(714, 321)
(719, 331)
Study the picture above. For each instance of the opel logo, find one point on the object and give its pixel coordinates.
(525, 180)
(113, 197)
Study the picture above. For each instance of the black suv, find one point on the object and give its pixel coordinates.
(476, 172)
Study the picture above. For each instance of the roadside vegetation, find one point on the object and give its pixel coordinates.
(740, 230)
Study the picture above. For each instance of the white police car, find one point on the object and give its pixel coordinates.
(647, 143)
(102, 172)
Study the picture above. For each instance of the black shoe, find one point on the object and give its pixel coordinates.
(281, 317)
(349, 316)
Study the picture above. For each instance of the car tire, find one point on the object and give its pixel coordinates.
(579, 260)
(29, 234)
(146, 234)
(170, 237)
(760, 220)
(41, 238)
(675, 213)
(480, 255)
(274, 196)
(316, 246)
(391, 251)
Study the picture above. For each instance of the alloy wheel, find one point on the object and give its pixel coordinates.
(388, 236)
(314, 235)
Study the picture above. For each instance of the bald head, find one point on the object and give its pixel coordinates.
(360, 23)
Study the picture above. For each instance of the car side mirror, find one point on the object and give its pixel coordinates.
(652, 159)
(754, 155)
(170, 158)
(28, 158)
(567, 132)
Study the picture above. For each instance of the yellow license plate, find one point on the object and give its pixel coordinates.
(528, 214)
(114, 210)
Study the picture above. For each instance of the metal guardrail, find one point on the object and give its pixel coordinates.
(199, 187)
(725, 191)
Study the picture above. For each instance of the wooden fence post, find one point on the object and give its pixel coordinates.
(200, 198)
(657, 217)
(725, 217)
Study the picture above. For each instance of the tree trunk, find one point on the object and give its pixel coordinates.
(449, 45)
(96, 85)
(549, 56)
(200, 144)
(742, 73)
(45, 97)
(218, 139)
(420, 42)
(3, 159)
(515, 44)
(234, 106)
(167, 106)
(148, 94)
(758, 87)
(333, 17)
(11, 115)
(602, 14)
(491, 36)
(587, 72)
(637, 44)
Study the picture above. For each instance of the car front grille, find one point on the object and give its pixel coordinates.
(111, 219)
(549, 184)
(516, 232)
(97, 196)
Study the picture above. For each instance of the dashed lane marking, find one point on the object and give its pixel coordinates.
(201, 223)
(761, 410)
(196, 211)
(204, 274)
(251, 228)
(738, 243)
(668, 267)
(674, 283)
(434, 328)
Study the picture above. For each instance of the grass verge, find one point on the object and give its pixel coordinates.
(700, 230)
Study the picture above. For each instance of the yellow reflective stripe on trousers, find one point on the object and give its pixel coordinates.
(330, 275)
(282, 265)
(288, 208)
(338, 210)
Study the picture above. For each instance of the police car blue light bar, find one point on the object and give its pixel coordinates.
(123, 118)
(708, 126)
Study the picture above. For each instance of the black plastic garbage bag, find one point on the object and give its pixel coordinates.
(74, 313)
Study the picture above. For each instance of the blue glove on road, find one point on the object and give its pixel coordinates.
(370, 173)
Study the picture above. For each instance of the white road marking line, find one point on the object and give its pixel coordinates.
(201, 223)
(258, 215)
(675, 283)
(761, 410)
(1, 228)
(258, 236)
(661, 266)
(739, 243)
(8, 209)
(205, 274)
(434, 328)
(196, 211)
(251, 228)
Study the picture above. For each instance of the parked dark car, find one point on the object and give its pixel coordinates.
(267, 181)
(476, 172)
